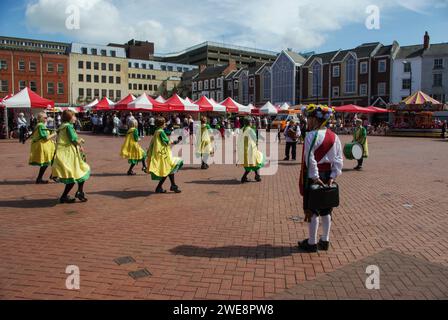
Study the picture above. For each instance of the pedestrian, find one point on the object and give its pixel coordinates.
(22, 125)
(131, 150)
(360, 136)
(248, 154)
(116, 123)
(444, 126)
(204, 143)
(292, 133)
(140, 123)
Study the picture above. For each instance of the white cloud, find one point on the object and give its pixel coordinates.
(176, 24)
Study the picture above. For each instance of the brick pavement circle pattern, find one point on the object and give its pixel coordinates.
(218, 239)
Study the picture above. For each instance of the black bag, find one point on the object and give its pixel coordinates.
(323, 197)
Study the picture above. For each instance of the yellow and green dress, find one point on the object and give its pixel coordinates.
(42, 149)
(161, 163)
(249, 156)
(68, 165)
(131, 150)
(360, 136)
(204, 142)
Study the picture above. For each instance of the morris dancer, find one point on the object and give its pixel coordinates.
(42, 147)
(161, 164)
(322, 163)
(131, 150)
(69, 165)
(252, 159)
(204, 143)
(360, 136)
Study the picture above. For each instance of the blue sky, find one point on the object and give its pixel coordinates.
(304, 25)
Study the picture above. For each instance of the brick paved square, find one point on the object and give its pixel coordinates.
(222, 240)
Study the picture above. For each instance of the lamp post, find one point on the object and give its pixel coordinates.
(405, 63)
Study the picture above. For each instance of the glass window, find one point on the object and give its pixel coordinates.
(50, 67)
(81, 92)
(111, 67)
(212, 84)
(60, 68)
(170, 68)
(267, 85)
(206, 85)
(84, 50)
(113, 53)
(155, 87)
(3, 65)
(50, 87)
(103, 66)
(335, 92)
(363, 89)
(96, 78)
(130, 86)
(60, 88)
(336, 72)
(96, 66)
(407, 67)
(111, 79)
(118, 94)
(103, 79)
(219, 83)
(199, 85)
(93, 51)
(88, 78)
(4, 86)
(245, 88)
(96, 93)
(406, 84)
(104, 92)
(111, 94)
(118, 80)
(88, 65)
(350, 75)
(195, 86)
(33, 86)
(32, 66)
(438, 63)
(317, 79)
(283, 80)
(382, 66)
(80, 77)
(80, 64)
(21, 65)
(364, 67)
(118, 67)
(381, 88)
(103, 52)
(89, 93)
(438, 80)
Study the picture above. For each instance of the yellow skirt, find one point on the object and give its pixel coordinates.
(42, 153)
(69, 166)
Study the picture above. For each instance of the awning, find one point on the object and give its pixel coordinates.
(104, 105)
(177, 104)
(90, 105)
(234, 107)
(123, 104)
(160, 99)
(208, 105)
(351, 108)
(379, 110)
(27, 99)
(285, 107)
(146, 103)
(269, 109)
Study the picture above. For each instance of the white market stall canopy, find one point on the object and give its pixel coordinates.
(268, 109)
(27, 99)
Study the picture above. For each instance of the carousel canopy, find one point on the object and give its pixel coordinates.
(269, 109)
(145, 102)
(27, 99)
(419, 98)
(208, 105)
(104, 105)
(234, 107)
(123, 104)
(351, 108)
(177, 104)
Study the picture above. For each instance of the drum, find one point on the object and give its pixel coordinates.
(353, 151)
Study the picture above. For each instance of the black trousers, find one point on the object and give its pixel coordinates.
(360, 162)
(140, 131)
(291, 147)
(22, 131)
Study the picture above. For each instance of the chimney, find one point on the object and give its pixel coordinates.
(426, 42)
(202, 67)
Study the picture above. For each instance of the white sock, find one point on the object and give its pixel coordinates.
(313, 227)
(326, 227)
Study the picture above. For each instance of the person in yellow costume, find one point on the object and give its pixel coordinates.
(131, 150)
(360, 136)
(161, 163)
(204, 143)
(248, 154)
(69, 165)
(42, 147)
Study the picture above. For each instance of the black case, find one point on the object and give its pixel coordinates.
(320, 197)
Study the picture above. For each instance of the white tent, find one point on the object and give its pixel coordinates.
(160, 99)
(269, 109)
(143, 102)
(285, 107)
(91, 105)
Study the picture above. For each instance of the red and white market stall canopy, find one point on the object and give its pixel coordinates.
(160, 99)
(234, 107)
(146, 103)
(379, 110)
(208, 105)
(105, 104)
(89, 106)
(351, 108)
(123, 103)
(177, 104)
(27, 99)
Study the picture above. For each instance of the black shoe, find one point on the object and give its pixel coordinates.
(144, 169)
(67, 199)
(41, 182)
(55, 179)
(81, 196)
(175, 189)
(131, 173)
(204, 166)
(286, 159)
(358, 168)
(244, 180)
(258, 178)
(160, 190)
(304, 245)
(323, 245)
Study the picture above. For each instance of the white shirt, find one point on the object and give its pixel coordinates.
(288, 138)
(21, 122)
(152, 121)
(334, 156)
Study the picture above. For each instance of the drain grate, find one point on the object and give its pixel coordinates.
(296, 219)
(124, 260)
(143, 273)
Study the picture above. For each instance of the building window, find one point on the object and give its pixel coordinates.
(219, 83)
(406, 84)
(195, 86)
(111, 79)
(84, 50)
(135, 86)
(89, 93)
(212, 95)
(130, 64)
(60, 68)
(212, 84)
(88, 65)
(219, 96)
(381, 88)
(111, 94)
(407, 67)
(22, 84)
(438, 64)
(96, 66)
(150, 87)
(200, 86)
(80, 77)
(33, 86)
(103, 67)
(111, 67)
(60, 88)
(163, 68)
(3, 65)
(140, 86)
(138, 76)
(245, 88)
(382, 66)
(206, 85)
(145, 87)
(81, 92)
(336, 72)
(118, 94)
(96, 78)
(93, 51)
(21, 65)
(88, 78)
(350, 75)
(267, 85)
(229, 86)
(251, 82)
(335, 92)
(317, 79)
(80, 64)
(50, 87)
(155, 87)
(96, 93)
(103, 79)
(4, 86)
(363, 89)
(438, 80)
(103, 53)
(170, 68)
(235, 84)
(32, 66)
(118, 80)
(104, 92)
(50, 67)
(118, 67)
(113, 53)
(364, 66)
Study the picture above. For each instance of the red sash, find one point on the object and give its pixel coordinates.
(319, 154)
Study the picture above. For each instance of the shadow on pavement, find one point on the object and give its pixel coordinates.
(124, 194)
(259, 252)
(16, 182)
(105, 175)
(216, 182)
(30, 203)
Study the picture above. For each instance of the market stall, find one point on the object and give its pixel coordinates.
(235, 107)
(208, 105)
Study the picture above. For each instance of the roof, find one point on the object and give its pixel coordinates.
(212, 71)
(157, 65)
(363, 51)
(407, 52)
(326, 57)
(384, 51)
(296, 57)
(437, 49)
(231, 74)
(77, 48)
(264, 66)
